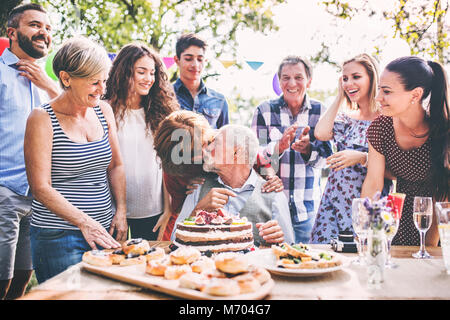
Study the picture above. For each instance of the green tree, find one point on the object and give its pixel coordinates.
(6, 6)
(159, 22)
(419, 22)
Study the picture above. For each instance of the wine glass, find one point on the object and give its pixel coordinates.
(360, 222)
(423, 216)
(389, 236)
(395, 202)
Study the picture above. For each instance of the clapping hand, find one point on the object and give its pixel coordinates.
(302, 144)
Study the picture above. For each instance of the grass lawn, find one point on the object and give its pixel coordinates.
(33, 282)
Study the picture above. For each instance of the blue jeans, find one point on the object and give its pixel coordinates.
(54, 250)
(302, 229)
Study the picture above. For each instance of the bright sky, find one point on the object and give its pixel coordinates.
(300, 23)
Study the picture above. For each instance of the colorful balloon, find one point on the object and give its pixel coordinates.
(168, 61)
(276, 84)
(4, 43)
(49, 66)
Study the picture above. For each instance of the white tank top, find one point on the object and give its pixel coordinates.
(142, 166)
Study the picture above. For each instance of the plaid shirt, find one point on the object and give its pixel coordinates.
(301, 179)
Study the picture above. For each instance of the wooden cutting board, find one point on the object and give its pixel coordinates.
(136, 275)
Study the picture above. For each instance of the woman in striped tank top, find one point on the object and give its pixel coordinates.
(73, 164)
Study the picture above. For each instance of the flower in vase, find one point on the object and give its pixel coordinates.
(380, 216)
(387, 217)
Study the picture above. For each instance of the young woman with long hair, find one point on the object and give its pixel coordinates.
(347, 128)
(141, 96)
(411, 138)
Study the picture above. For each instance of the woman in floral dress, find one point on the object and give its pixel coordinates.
(411, 139)
(358, 87)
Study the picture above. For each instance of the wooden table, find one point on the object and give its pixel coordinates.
(413, 279)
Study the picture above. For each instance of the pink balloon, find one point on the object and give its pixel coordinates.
(168, 61)
(276, 84)
(4, 43)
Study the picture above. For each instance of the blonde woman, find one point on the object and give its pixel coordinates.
(72, 160)
(357, 89)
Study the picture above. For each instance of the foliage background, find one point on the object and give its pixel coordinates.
(423, 25)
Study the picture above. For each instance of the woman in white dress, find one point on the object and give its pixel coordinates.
(141, 96)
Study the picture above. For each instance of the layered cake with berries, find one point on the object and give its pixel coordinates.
(215, 232)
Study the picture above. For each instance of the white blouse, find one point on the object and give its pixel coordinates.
(142, 166)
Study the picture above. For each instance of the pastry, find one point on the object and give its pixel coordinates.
(260, 274)
(279, 251)
(157, 267)
(136, 246)
(247, 283)
(214, 273)
(222, 287)
(297, 250)
(98, 258)
(117, 256)
(155, 254)
(193, 281)
(300, 256)
(203, 264)
(176, 271)
(132, 260)
(231, 262)
(184, 255)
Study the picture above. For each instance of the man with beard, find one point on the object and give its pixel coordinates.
(21, 79)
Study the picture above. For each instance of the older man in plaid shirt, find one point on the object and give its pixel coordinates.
(285, 128)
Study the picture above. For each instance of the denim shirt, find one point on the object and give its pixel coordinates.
(208, 102)
(18, 96)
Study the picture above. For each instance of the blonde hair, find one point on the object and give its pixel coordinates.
(371, 65)
(81, 57)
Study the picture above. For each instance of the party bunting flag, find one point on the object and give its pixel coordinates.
(112, 56)
(255, 65)
(228, 63)
(168, 61)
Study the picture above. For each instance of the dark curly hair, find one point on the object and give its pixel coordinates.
(161, 99)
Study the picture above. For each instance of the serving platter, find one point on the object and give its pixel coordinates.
(266, 259)
(135, 274)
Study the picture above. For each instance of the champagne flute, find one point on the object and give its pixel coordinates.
(423, 216)
(395, 202)
(360, 222)
(389, 236)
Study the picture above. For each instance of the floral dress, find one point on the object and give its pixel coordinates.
(335, 210)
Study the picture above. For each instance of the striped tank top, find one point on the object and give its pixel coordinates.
(79, 173)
